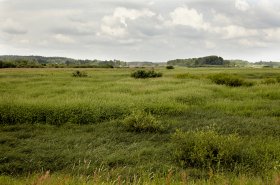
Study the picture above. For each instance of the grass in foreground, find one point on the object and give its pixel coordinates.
(148, 179)
(53, 121)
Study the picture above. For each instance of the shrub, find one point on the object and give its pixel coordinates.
(169, 67)
(229, 80)
(278, 79)
(206, 149)
(269, 81)
(79, 74)
(145, 74)
(141, 121)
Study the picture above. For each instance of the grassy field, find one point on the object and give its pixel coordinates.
(111, 128)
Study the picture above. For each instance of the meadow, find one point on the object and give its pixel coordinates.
(110, 128)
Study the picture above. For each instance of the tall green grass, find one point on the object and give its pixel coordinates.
(53, 121)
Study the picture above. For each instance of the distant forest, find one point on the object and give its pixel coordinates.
(14, 61)
(11, 61)
(218, 61)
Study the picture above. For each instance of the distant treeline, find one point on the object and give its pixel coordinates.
(207, 61)
(268, 64)
(218, 61)
(14, 61)
(10, 61)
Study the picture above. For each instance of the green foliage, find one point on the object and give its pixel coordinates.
(206, 149)
(51, 122)
(186, 75)
(140, 121)
(269, 81)
(14, 61)
(278, 79)
(169, 67)
(229, 80)
(202, 61)
(59, 114)
(7, 64)
(145, 74)
(79, 74)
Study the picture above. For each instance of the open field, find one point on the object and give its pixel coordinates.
(91, 128)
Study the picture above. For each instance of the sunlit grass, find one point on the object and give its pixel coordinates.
(53, 121)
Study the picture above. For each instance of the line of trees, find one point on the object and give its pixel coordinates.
(10, 61)
(202, 61)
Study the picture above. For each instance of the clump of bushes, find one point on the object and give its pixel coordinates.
(278, 79)
(210, 150)
(140, 121)
(206, 149)
(269, 81)
(79, 74)
(146, 74)
(169, 67)
(229, 80)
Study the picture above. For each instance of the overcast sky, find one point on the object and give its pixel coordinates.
(141, 30)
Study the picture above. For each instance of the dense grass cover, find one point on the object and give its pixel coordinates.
(210, 150)
(52, 121)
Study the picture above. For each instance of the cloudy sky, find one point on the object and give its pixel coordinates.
(141, 30)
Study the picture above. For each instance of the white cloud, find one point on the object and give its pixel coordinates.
(141, 29)
(251, 43)
(12, 27)
(234, 31)
(272, 34)
(115, 25)
(115, 31)
(188, 17)
(63, 39)
(220, 19)
(210, 45)
(242, 5)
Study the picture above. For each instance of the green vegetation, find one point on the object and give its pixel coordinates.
(196, 62)
(110, 128)
(210, 150)
(79, 74)
(14, 61)
(145, 74)
(169, 67)
(140, 121)
(229, 80)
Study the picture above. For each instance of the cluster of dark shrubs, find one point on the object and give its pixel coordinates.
(169, 67)
(146, 74)
(79, 74)
(229, 80)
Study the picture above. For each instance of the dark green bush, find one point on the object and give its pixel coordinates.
(79, 74)
(140, 121)
(278, 79)
(169, 67)
(145, 74)
(229, 80)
